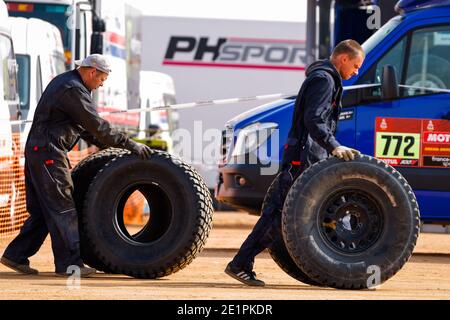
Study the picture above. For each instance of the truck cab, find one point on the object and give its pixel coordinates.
(96, 26)
(82, 25)
(397, 109)
(67, 16)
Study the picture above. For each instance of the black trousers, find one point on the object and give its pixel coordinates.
(268, 227)
(49, 189)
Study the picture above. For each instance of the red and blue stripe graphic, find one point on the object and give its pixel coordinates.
(115, 45)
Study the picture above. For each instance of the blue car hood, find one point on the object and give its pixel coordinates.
(259, 113)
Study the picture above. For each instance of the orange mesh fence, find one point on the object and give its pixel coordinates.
(76, 155)
(12, 189)
(13, 212)
(135, 210)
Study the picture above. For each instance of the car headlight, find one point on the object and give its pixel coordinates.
(252, 137)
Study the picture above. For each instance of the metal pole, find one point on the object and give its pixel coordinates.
(311, 32)
(324, 29)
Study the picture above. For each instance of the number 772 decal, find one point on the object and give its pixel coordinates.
(413, 142)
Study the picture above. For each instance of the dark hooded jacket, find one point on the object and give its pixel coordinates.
(65, 113)
(314, 123)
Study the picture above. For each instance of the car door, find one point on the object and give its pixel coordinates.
(411, 132)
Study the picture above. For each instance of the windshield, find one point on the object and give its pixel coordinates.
(23, 78)
(378, 36)
(56, 14)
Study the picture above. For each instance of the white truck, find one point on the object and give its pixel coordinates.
(88, 27)
(96, 26)
(8, 112)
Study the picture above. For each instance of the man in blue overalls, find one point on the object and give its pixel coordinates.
(310, 139)
(65, 113)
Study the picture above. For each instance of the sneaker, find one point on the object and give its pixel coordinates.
(248, 278)
(21, 268)
(85, 272)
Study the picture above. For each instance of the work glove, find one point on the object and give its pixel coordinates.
(345, 153)
(143, 151)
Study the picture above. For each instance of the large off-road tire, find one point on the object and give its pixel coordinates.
(283, 259)
(84, 172)
(180, 215)
(281, 256)
(82, 176)
(350, 225)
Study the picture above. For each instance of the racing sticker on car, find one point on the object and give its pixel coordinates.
(413, 142)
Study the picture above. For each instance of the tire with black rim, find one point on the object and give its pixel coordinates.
(178, 226)
(350, 225)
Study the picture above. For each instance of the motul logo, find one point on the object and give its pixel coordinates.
(236, 53)
(392, 162)
(437, 137)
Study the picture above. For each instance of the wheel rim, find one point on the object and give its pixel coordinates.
(350, 221)
(161, 214)
(431, 81)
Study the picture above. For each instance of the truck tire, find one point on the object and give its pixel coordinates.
(281, 256)
(180, 218)
(253, 212)
(350, 225)
(85, 171)
(283, 259)
(82, 176)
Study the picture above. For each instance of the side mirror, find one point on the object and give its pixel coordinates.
(98, 24)
(97, 43)
(389, 83)
(98, 27)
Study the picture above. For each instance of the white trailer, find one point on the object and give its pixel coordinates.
(219, 59)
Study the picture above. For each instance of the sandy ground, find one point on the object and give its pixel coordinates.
(425, 276)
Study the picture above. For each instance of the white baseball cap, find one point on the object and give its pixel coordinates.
(96, 61)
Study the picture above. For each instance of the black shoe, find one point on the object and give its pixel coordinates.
(21, 268)
(85, 272)
(248, 278)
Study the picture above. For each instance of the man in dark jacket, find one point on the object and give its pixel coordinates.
(310, 139)
(64, 113)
